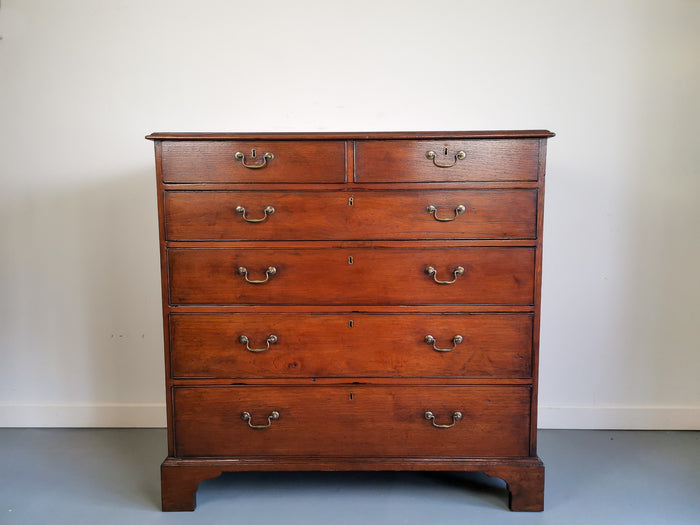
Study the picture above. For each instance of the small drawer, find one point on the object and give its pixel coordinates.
(350, 345)
(253, 162)
(378, 215)
(351, 276)
(357, 420)
(446, 160)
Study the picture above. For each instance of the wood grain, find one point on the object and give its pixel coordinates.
(308, 276)
(351, 345)
(490, 214)
(486, 160)
(354, 420)
(214, 161)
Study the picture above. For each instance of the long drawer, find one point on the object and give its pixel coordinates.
(446, 160)
(257, 162)
(354, 420)
(350, 345)
(353, 276)
(270, 215)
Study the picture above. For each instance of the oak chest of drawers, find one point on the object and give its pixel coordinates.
(362, 301)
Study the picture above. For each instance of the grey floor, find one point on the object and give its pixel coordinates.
(104, 476)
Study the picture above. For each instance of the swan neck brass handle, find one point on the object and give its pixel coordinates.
(456, 340)
(431, 155)
(456, 416)
(239, 155)
(269, 210)
(432, 210)
(271, 270)
(433, 273)
(271, 340)
(274, 416)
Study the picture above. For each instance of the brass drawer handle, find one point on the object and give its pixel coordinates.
(271, 340)
(456, 340)
(432, 210)
(460, 155)
(456, 416)
(269, 210)
(274, 416)
(271, 270)
(433, 273)
(239, 155)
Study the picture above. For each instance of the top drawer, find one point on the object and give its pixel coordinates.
(253, 162)
(446, 160)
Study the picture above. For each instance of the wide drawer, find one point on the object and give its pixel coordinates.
(350, 345)
(267, 161)
(269, 215)
(352, 276)
(453, 160)
(352, 420)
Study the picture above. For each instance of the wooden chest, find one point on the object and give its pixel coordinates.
(358, 301)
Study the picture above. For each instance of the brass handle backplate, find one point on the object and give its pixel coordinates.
(271, 270)
(274, 416)
(432, 210)
(239, 155)
(269, 210)
(460, 155)
(456, 340)
(433, 273)
(456, 416)
(271, 340)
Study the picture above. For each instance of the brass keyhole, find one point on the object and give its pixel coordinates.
(445, 152)
(350, 260)
(253, 153)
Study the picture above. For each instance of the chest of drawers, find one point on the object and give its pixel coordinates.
(362, 301)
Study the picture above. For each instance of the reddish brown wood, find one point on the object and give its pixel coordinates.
(357, 420)
(330, 276)
(179, 486)
(486, 160)
(524, 477)
(351, 345)
(382, 360)
(310, 161)
(525, 484)
(375, 135)
(494, 214)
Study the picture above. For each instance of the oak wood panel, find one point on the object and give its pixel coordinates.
(350, 345)
(352, 420)
(214, 161)
(486, 159)
(496, 214)
(376, 276)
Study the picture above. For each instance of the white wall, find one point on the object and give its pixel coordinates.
(81, 83)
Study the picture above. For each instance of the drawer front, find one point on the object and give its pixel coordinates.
(352, 420)
(484, 160)
(350, 345)
(352, 276)
(216, 161)
(234, 215)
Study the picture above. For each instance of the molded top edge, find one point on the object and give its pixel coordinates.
(382, 135)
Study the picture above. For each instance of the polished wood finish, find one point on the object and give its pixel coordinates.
(372, 420)
(350, 345)
(349, 372)
(486, 160)
(389, 276)
(378, 215)
(310, 161)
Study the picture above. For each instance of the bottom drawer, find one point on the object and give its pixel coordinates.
(352, 420)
